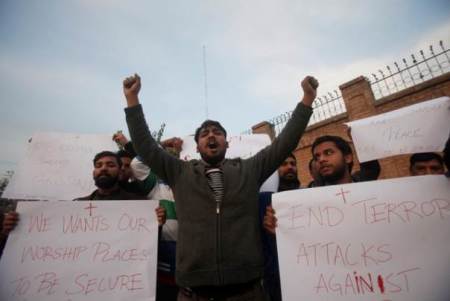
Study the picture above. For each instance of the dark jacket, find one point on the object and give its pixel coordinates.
(225, 248)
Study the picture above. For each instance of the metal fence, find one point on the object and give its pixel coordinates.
(408, 73)
(326, 106)
(421, 68)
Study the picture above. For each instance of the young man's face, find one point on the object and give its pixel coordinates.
(106, 172)
(288, 170)
(331, 163)
(126, 173)
(431, 167)
(212, 144)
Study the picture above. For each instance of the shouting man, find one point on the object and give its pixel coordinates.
(219, 253)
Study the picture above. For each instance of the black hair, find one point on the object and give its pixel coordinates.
(425, 157)
(206, 124)
(340, 143)
(107, 154)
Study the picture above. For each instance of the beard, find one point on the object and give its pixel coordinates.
(336, 175)
(213, 160)
(289, 176)
(105, 181)
(288, 183)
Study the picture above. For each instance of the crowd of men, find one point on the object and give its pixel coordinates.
(223, 244)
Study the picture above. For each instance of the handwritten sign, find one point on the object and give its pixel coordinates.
(57, 166)
(243, 146)
(423, 127)
(381, 240)
(104, 250)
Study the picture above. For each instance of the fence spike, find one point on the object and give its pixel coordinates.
(324, 108)
(444, 50)
(409, 72)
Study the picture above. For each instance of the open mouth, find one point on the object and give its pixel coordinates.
(212, 144)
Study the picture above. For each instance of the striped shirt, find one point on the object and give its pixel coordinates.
(215, 182)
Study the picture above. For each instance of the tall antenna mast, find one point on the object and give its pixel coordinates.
(206, 81)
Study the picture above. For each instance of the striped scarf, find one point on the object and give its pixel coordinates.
(215, 182)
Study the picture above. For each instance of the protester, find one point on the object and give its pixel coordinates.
(138, 178)
(334, 159)
(107, 169)
(426, 164)
(156, 189)
(287, 173)
(368, 171)
(166, 288)
(219, 245)
(107, 173)
(334, 162)
(288, 180)
(127, 180)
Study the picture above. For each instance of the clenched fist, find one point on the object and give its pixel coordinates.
(309, 86)
(120, 138)
(131, 88)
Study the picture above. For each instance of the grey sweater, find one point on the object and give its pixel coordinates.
(217, 249)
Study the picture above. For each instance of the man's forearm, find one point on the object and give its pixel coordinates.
(164, 165)
(143, 142)
(271, 158)
(132, 100)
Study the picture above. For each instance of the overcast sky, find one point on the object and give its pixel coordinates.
(62, 62)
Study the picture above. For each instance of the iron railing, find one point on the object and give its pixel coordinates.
(420, 69)
(403, 75)
(326, 106)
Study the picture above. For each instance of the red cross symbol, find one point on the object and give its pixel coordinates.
(90, 207)
(343, 194)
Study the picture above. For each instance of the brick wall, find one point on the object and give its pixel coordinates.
(360, 103)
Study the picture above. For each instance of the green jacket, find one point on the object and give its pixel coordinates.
(217, 249)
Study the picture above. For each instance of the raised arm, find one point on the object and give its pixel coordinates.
(309, 86)
(122, 141)
(269, 159)
(131, 88)
(164, 165)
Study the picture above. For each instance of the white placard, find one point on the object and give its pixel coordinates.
(423, 127)
(243, 146)
(57, 166)
(380, 240)
(61, 251)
